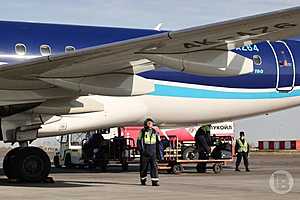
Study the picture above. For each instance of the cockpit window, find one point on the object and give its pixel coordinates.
(45, 50)
(257, 60)
(20, 49)
(69, 49)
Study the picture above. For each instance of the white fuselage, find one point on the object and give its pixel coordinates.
(174, 109)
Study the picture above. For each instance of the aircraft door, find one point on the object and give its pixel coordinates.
(286, 71)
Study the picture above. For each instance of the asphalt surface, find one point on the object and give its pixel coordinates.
(82, 184)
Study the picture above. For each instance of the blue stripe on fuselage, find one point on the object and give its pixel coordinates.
(178, 91)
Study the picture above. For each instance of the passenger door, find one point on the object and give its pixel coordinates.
(286, 71)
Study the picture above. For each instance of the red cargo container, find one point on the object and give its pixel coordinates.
(260, 145)
(282, 145)
(298, 145)
(293, 145)
(279, 145)
(271, 145)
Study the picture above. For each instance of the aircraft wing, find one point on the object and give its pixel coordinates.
(112, 69)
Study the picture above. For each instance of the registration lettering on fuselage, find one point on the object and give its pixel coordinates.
(252, 32)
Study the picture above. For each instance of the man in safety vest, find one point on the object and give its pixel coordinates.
(149, 147)
(242, 151)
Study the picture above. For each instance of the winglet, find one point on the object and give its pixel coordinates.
(158, 26)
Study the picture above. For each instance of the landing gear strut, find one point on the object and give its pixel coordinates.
(30, 164)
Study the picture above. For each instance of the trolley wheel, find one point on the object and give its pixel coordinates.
(217, 168)
(190, 153)
(177, 169)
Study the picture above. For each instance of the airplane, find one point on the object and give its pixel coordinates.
(58, 79)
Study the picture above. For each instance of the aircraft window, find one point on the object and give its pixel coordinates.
(45, 50)
(69, 49)
(20, 49)
(257, 60)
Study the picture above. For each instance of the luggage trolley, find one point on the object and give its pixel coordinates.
(122, 151)
(173, 162)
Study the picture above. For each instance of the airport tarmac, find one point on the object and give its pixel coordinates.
(81, 184)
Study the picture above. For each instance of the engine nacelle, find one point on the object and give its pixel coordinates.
(117, 112)
(117, 84)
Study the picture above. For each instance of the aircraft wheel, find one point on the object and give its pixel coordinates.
(32, 164)
(9, 163)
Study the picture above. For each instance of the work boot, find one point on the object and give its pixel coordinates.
(143, 182)
(237, 170)
(155, 183)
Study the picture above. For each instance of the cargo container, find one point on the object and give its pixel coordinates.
(278, 145)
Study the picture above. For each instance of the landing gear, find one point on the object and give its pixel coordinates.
(30, 164)
(9, 163)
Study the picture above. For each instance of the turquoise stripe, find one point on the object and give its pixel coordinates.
(176, 91)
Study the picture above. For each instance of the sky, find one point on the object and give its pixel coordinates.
(174, 14)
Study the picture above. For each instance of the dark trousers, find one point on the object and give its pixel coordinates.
(239, 157)
(144, 163)
(202, 156)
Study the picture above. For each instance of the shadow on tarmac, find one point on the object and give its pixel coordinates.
(56, 184)
(113, 169)
(65, 184)
(61, 184)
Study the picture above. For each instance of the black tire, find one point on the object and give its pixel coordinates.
(217, 168)
(33, 164)
(68, 161)
(190, 153)
(56, 161)
(9, 161)
(177, 169)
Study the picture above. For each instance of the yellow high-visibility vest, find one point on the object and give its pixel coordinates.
(150, 137)
(243, 147)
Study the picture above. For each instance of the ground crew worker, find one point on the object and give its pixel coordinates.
(149, 147)
(242, 151)
(203, 142)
